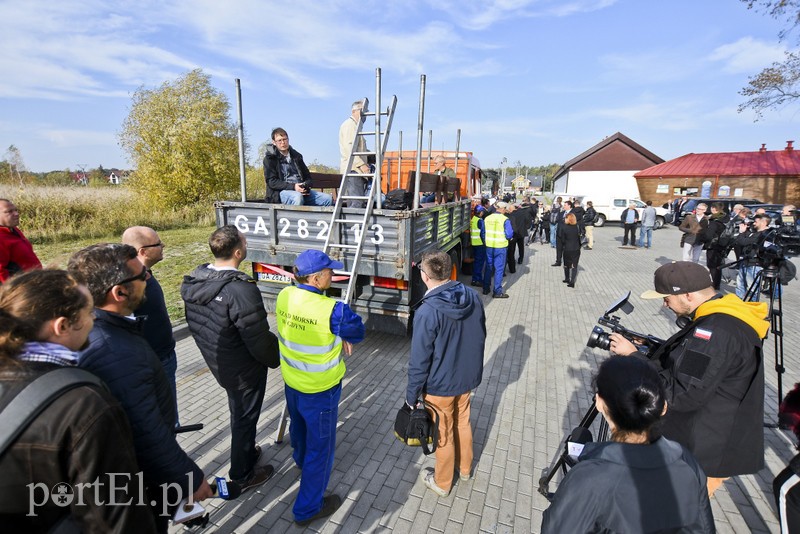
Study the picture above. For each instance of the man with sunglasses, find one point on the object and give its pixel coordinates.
(157, 327)
(122, 358)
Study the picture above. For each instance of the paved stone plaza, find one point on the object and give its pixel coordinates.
(536, 387)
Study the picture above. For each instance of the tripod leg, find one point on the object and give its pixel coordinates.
(559, 461)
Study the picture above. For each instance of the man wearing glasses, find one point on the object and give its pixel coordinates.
(288, 179)
(157, 327)
(123, 359)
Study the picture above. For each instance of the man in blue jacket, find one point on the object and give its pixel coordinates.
(122, 358)
(446, 364)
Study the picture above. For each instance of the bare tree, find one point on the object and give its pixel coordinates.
(16, 166)
(779, 84)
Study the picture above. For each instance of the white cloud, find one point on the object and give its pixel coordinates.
(481, 14)
(77, 138)
(747, 55)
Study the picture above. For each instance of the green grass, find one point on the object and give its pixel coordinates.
(186, 249)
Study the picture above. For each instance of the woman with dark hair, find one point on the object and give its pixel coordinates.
(81, 440)
(570, 235)
(638, 481)
(786, 485)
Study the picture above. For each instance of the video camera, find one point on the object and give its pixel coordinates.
(599, 338)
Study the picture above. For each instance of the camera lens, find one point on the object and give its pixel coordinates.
(599, 338)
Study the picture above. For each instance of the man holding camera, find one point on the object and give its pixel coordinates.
(749, 241)
(288, 179)
(712, 371)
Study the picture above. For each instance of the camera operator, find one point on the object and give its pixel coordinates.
(749, 241)
(712, 371)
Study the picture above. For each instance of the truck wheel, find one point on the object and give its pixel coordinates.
(659, 222)
(600, 221)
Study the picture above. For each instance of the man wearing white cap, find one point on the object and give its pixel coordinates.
(712, 371)
(315, 332)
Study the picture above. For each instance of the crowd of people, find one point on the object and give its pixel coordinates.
(682, 419)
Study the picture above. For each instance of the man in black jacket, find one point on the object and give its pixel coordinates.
(712, 371)
(227, 319)
(122, 358)
(520, 218)
(288, 179)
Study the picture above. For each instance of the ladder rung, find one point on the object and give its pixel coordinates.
(360, 175)
(368, 153)
(340, 245)
(346, 197)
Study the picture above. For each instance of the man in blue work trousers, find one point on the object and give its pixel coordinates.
(496, 233)
(315, 332)
(478, 249)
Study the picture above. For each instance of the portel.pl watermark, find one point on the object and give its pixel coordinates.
(114, 492)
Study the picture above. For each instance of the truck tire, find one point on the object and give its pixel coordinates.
(659, 222)
(600, 220)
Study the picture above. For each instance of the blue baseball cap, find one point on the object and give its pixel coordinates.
(313, 261)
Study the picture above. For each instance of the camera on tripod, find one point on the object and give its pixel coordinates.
(599, 338)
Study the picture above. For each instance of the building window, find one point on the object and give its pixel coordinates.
(724, 191)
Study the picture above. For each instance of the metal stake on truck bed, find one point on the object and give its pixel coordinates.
(334, 243)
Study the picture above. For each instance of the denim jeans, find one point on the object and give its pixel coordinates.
(747, 274)
(646, 231)
(313, 198)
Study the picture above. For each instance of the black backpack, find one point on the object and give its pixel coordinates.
(398, 199)
(725, 239)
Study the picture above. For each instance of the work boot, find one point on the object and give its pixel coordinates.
(330, 504)
(572, 276)
(566, 275)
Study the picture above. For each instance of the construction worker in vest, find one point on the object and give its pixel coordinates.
(496, 233)
(315, 332)
(478, 248)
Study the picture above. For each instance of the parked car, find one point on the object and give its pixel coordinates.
(611, 210)
(729, 203)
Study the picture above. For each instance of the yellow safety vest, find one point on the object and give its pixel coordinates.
(475, 232)
(495, 231)
(310, 353)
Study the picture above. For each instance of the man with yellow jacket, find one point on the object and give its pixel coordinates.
(495, 234)
(712, 371)
(315, 332)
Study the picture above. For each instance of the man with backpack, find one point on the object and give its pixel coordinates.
(717, 236)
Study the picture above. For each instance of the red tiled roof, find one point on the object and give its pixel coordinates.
(767, 163)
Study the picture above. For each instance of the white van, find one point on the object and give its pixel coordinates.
(611, 210)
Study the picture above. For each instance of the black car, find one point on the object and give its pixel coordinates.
(729, 203)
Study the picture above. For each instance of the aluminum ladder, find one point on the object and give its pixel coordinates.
(338, 245)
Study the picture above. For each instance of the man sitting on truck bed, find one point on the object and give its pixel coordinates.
(288, 179)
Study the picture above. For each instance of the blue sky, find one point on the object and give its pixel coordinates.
(536, 81)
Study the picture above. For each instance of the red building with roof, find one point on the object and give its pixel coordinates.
(772, 176)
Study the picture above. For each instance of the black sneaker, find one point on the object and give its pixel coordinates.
(556, 264)
(330, 504)
(476, 284)
(500, 295)
(260, 474)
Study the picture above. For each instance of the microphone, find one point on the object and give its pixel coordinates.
(579, 437)
(225, 489)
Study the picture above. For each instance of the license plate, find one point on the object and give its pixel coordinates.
(264, 272)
